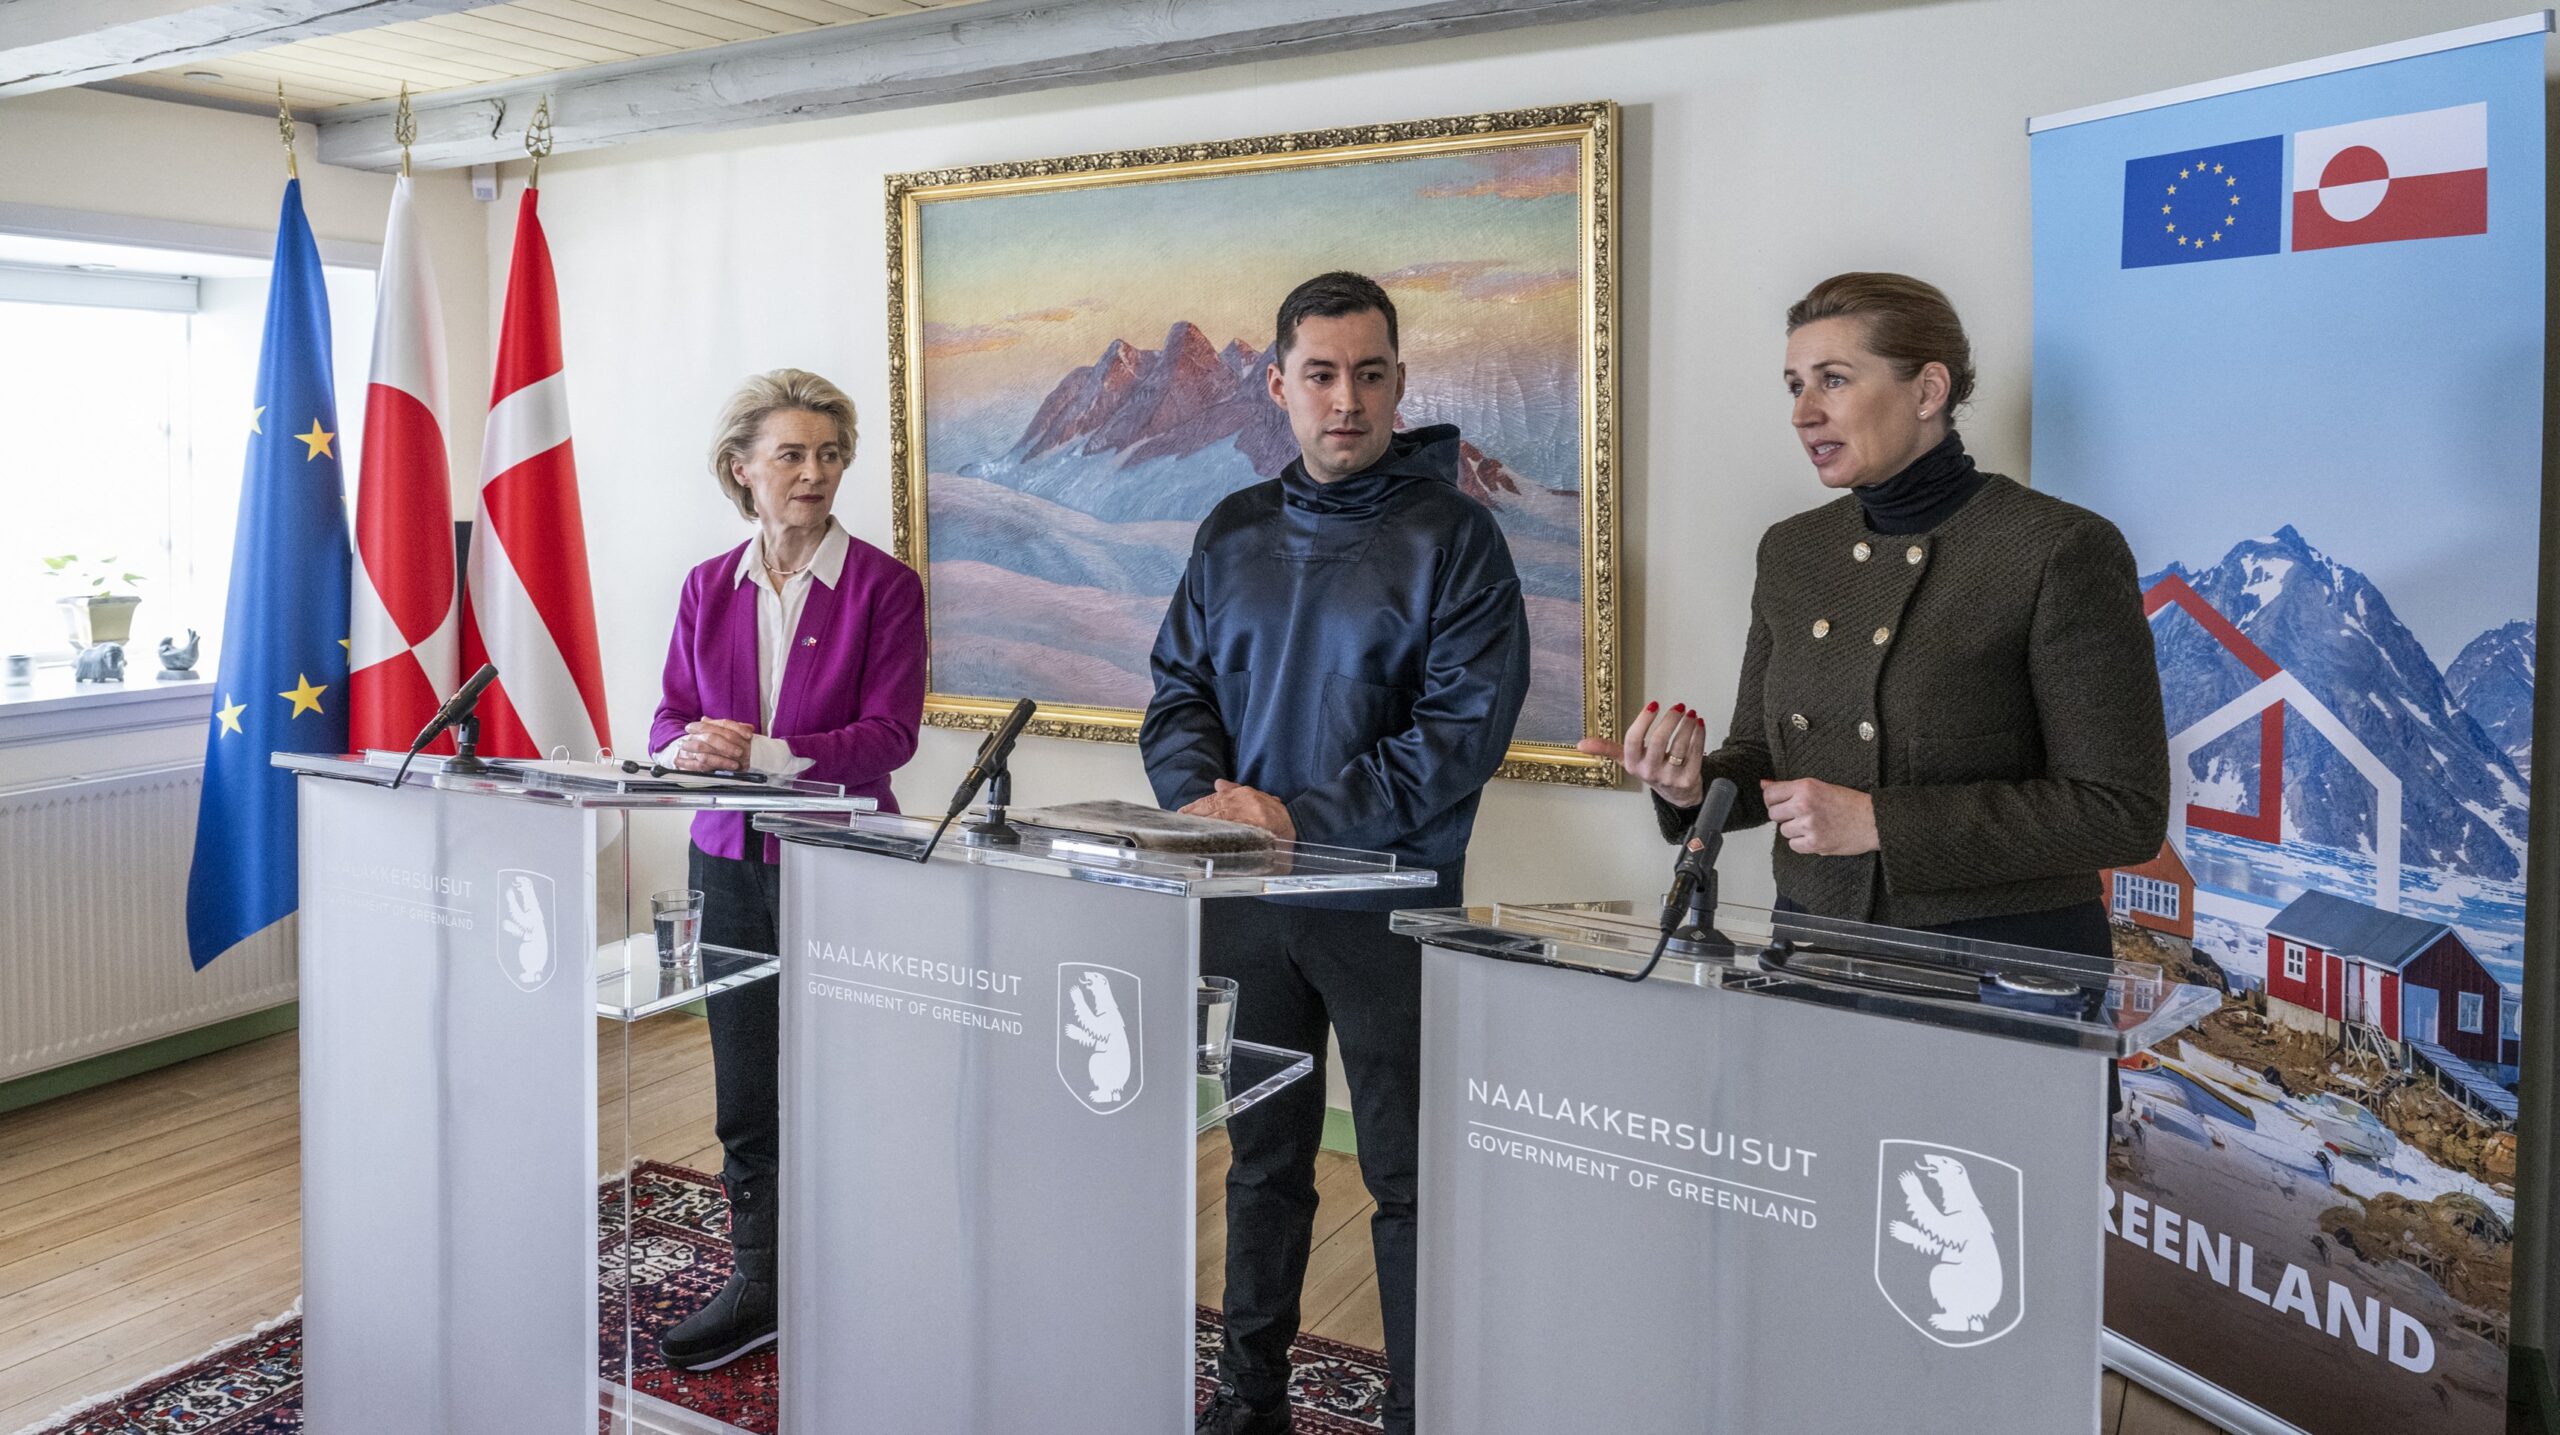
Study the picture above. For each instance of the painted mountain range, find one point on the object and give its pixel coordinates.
(1052, 563)
(2456, 739)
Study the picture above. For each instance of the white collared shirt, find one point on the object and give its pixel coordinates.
(777, 628)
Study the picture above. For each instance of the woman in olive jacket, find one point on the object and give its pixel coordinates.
(1948, 703)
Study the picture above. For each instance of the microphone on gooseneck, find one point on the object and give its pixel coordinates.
(992, 754)
(464, 699)
(1693, 876)
(1689, 911)
(455, 709)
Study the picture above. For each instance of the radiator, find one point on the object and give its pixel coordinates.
(93, 923)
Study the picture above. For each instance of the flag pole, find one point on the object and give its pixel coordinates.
(284, 127)
(404, 128)
(537, 141)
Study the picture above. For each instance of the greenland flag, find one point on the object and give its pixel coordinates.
(402, 648)
(2420, 176)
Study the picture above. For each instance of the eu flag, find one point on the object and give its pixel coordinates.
(282, 683)
(2216, 202)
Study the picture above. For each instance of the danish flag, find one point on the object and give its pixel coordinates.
(401, 647)
(526, 603)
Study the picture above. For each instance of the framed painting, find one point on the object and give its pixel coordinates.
(1078, 356)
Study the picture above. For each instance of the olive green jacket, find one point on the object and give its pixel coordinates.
(1991, 682)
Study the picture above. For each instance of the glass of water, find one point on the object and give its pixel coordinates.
(1217, 1026)
(678, 914)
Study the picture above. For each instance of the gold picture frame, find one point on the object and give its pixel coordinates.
(1526, 155)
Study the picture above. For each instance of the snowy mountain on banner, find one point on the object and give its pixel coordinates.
(2463, 799)
(1162, 434)
(2493, 680)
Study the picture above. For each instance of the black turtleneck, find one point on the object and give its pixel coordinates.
(1924, 495)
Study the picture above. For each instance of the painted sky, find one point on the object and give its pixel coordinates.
(2385, 399)
(1481, 251)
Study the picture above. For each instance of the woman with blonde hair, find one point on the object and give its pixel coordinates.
(798, 653)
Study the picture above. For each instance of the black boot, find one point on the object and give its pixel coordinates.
(1229, 1413)
(744, 1315)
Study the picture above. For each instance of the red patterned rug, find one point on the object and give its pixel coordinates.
(678, 1256)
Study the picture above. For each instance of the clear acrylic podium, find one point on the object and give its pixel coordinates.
(1840, 1177)
(464, 1173)
(989, 1123)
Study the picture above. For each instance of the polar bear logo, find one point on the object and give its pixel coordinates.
(527, 928)
(1939, 1249)
(1098, 1046)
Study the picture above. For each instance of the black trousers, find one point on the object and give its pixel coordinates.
(1296, 968)
(742, 908)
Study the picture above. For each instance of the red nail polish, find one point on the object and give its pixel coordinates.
(1649, 707)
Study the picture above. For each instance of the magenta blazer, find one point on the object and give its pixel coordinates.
(852, 695)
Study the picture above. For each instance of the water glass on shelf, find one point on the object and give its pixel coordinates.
(678, 914)
(1217, 1025)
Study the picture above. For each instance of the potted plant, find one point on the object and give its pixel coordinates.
(97, 612)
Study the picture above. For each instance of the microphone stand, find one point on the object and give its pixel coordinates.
(1695, 934)
(993, 830)
(1689, 910)
(466, 757)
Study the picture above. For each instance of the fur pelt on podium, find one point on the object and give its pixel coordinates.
(1151, 828)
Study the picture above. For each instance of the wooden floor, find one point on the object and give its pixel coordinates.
(144, 1223)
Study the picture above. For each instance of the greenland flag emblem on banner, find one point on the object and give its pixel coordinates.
(2421, 176)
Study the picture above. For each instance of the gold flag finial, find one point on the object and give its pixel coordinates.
(284, 127)
(404, 128)
(537, 141)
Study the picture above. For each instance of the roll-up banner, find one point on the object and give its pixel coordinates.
(2289, 337)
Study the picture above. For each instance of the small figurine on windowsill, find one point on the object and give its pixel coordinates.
(177, 663)
(100, 663)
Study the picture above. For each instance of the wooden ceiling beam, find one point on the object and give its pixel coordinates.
(50, 44)
(965, 52)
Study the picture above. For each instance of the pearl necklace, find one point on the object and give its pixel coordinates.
(777, 571)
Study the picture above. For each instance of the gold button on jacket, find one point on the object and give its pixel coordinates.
(2006, 716)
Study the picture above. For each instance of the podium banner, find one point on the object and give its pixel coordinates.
(1658, 1207)
(2289, 336)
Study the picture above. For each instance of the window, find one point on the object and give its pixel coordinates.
(93, 453)
(2297, 963)
(2468, 1011)
(125, 401)
(2148, 896)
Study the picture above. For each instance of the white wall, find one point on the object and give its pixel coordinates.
(149, 159)
(1766, 145)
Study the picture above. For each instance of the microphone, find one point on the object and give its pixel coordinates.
(1695, 871)
(992, 754)
(464, 699)
(455, 709)
(1691, 907)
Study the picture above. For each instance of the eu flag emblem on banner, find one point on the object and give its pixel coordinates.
(282, 683)
(2215, 202)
